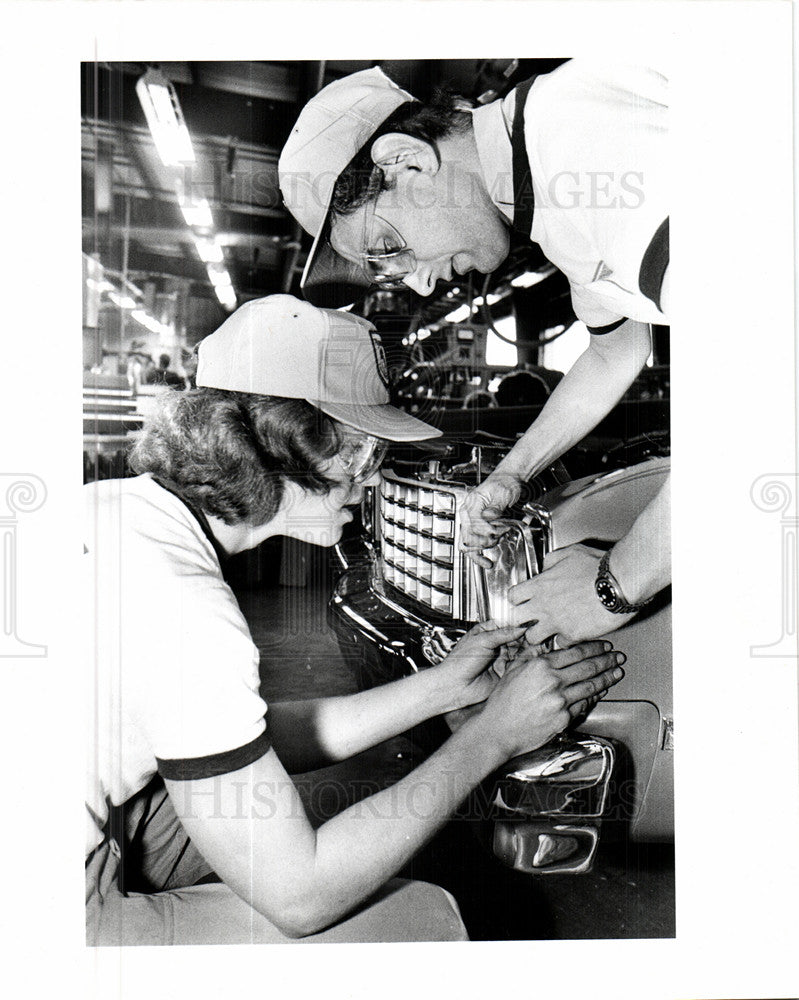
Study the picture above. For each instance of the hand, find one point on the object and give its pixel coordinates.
(481, 508)
(562, 600)
(540, 694)
(465, 671)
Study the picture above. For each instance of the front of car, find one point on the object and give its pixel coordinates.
(407, 592)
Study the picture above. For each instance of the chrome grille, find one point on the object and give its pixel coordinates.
(419, 543)
(418, 531)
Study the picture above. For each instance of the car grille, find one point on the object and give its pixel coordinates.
(419, 536)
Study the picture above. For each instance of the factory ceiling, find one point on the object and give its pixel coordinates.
(238, 115)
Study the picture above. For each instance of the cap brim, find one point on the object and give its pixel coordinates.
(329, 280)
(383, 420)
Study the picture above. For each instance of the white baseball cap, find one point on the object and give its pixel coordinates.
(281, 346)
(332, 127)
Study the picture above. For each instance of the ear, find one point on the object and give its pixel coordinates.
(396, 152)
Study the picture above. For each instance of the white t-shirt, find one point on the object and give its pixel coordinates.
(173, 671)
(597, 144)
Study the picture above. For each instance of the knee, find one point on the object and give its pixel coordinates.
(437, 915)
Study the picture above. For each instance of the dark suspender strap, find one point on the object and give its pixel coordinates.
(201, 519)
(654, 264)
(523, 200)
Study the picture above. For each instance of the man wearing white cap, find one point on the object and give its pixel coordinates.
(397, 192)
(189, 786)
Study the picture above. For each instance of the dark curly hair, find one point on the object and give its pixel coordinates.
(443, 116)
(229, 453)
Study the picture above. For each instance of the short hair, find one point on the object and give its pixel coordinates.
(442, 117)
(164, 360)
(230, 453)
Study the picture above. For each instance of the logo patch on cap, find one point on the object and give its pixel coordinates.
(380, 358)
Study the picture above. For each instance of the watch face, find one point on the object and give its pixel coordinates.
(606, 593)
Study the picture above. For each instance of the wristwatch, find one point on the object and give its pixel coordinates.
(609, 591)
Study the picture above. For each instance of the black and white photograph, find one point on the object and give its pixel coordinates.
(403, 557)
(376, 414)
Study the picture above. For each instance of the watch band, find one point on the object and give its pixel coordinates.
(610, 593)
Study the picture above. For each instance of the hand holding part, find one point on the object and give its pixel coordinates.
(466, 670)
(483, 506)
(540, 694)
(562, 600)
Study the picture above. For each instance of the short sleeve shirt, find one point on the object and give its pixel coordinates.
(173, 671)
(596, 137)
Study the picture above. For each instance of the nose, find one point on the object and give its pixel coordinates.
(354, 495)
(422, 281)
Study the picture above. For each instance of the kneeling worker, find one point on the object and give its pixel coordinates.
(289, 419)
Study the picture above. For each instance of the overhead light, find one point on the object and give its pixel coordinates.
(209, 250)
(123, 301)
(100, 286)
(150, 322)
(226, 296)
(530, 278)
(458, 315)
(219, 277)
(159, 100)
(197, 213)
(223, 286)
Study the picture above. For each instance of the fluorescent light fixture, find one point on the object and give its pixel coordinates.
(458, 315)
(159, 101)
(100, 286)
(223, 286)
(218, 277)
(197, 213)
(123, 301)
(530, 278)
(147, 321)
(209, 250)
(226, 296)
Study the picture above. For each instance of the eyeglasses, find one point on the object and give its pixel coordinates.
(384, 256)
(360, 455)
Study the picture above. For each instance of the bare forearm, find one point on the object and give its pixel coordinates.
(596, 382)
(311, 734)
(641, 560)
(358, 850)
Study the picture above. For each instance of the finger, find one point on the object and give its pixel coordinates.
(477, 557)
(526, 614)
(557, 555)
(481, 519)
(582, 651)
(590, 667)
(579, 708)
(478, 543)
(538, 633)
(491, 634)
(586, 705)
(593, 685)
(523, 592)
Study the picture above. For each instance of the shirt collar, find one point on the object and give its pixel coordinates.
(492, 124)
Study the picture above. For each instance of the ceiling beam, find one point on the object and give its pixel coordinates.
(249, 79)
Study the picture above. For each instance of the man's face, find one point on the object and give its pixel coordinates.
(446, 218)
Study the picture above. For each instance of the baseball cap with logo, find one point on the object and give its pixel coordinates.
(280, 346)
(332, 127)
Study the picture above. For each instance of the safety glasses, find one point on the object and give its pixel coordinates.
(360, 455)
(384, 256)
